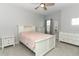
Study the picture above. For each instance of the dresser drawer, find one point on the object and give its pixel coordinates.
(4, 41)
(8, 41)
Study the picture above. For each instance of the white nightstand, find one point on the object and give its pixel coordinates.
(7, 41)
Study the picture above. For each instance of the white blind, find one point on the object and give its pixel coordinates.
(75, 21)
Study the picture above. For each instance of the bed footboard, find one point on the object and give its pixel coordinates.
(42, 47)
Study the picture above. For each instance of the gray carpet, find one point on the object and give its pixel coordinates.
(62, 49)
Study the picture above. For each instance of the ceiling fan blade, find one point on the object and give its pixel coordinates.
(37, 7)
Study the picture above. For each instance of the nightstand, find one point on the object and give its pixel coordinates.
(7, 41)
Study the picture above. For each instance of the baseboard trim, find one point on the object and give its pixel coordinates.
(69, 43)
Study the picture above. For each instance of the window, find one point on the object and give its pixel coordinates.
(48, 22)
(48, 26)
(75, 21)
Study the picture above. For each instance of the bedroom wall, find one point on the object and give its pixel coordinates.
(66, 16)
(11, 16)
(56, 16)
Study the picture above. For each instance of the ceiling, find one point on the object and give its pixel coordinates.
(51, 9)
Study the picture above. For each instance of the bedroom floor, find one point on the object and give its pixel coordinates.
(62, 49)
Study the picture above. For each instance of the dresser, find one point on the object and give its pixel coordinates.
(7, 41)
(72, 38)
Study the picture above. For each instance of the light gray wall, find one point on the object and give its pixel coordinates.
(66, 17)
(11, 16)
(56, 16)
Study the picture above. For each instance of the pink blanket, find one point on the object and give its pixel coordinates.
(29, 38)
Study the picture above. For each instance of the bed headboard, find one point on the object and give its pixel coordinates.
(23, 28)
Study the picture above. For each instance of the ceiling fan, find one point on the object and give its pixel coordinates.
(44, 5)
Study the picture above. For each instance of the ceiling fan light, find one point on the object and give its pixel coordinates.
(42, 5)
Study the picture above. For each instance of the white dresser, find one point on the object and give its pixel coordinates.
(72, 38)
(7, 41)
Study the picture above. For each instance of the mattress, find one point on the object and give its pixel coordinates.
(29, 38)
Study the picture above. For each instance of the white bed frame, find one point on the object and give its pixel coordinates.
(42, 47)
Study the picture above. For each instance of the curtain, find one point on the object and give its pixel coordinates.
(50, 27)
(46, 26)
